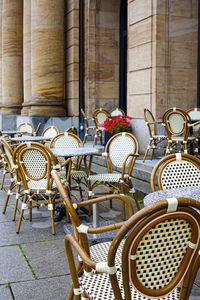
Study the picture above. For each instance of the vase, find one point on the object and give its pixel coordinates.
(107, 136)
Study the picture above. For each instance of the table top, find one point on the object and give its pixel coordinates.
(186, 192)
(69, 152)
(30, 138)
(11, 132)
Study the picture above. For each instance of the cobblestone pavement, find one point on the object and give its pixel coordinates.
(33, 262)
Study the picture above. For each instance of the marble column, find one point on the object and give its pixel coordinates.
(12, 80)
(26, 56)
(47, 58)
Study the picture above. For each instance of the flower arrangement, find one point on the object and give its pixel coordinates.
(117, 124)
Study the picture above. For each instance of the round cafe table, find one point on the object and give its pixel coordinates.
(186, 192)
(30, 138)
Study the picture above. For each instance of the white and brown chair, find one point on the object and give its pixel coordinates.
(50, 131)
(117, 112)
(27, 128)
(35, 163)
(15, 181)
(70, 140)
(99, 115)
(121, 152)
(97, 252)
(175, 171)
(156, 141)
(90, 127)
(178, 124)
(155, 254)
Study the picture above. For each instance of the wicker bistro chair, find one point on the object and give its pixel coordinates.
(99, 115)
(178, 126)
(156, 141)
(160, 253)
(117, 112)
(90, 129)
(35, 162)
(27, 128)
(175, 171)
(194, 114)
(121, 151)
(70, 140)
(97, 252)
(15, 181)
(50, 131)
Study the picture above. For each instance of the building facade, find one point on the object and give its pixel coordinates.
(57, 56)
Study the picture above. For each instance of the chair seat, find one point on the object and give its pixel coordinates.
(39, 185)
(98, 287)
(181, 138)
(159, 136)
(99, 252)
(109, 177)
(78, 174)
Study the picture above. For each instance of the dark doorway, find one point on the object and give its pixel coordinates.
(123, 56)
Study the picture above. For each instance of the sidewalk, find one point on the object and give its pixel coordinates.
(33, 263)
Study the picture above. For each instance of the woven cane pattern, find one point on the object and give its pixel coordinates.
(98, 287)
(66, 142)
(101, 117)
(78, 174)
(34, 163)
(110, 177)
(50, 132)
(180, 174)
(9, 156)
(176, 122)
(99, 252)
(160, 253)
(39, 184)
(123, 144)
(195, 115)
(26, 128)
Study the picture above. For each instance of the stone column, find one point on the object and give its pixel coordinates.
(47, 58)
(26, 55)
(11, 56)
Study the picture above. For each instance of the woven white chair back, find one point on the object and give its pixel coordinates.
(66, 141)
(119, 148)
(117, 112)
(9, 156)
(150, 119)
(176, 123)
(26, 127)
(156, 260)
(179, 174)
(50, 132)
(195, 115)
(101, 117)
(34, 164)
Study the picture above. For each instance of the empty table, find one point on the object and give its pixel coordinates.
(186, 192)
(30, 138)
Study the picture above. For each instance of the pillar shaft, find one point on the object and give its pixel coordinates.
(47, 58)
(12, 79)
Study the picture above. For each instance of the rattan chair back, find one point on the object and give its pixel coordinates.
(120, 148)
(27, 128)
(67, 140)
(35, 162)
(100, 115)
(194, 114)
(160, 251)
(50, 131)
(175, 109)
(149, 118)
(73, 130)
(176, 124)
(176, 171)
(8, 154)
(117, 112)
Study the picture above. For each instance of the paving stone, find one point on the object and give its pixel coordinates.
(43, 289)
(47, 258)
(7, 217)
(5, 293)
(195, 291)
(37, 230)
(13, 265)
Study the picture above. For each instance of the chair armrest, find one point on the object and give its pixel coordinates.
(124, 164)
(194, 124)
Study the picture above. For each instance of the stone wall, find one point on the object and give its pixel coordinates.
(162, 55)
(102, 54)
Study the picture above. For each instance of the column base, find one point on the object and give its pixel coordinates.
(47, 111)
(10, 111)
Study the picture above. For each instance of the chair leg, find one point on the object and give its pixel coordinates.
(152, 153)
(21, 214)
(3, 178)
(145, 155)
(7, 197)
(16, 201)
(52, 216)
(30, 211)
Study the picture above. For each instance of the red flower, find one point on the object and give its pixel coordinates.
(127, 117)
